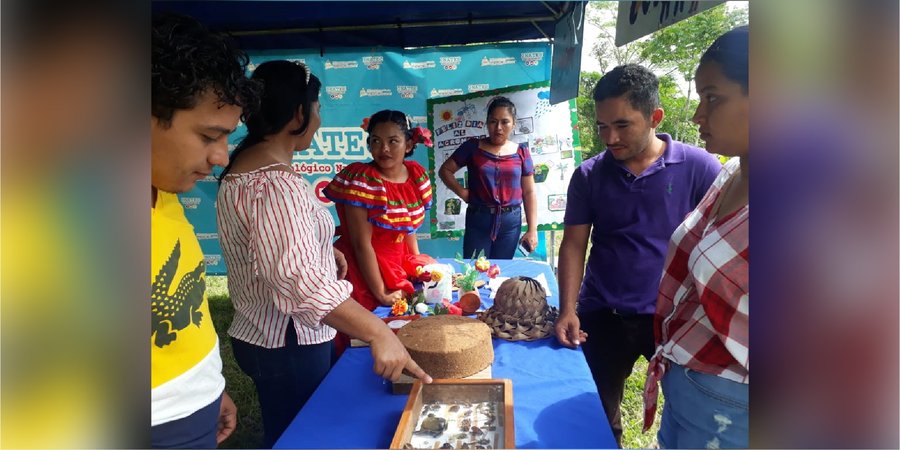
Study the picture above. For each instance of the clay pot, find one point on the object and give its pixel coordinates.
(469, 302)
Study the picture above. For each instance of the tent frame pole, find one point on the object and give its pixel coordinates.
(393, 26)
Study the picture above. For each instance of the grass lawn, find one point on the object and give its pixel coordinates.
(249, 433)
(633, 410)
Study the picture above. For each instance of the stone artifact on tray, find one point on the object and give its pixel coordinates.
(466, 425)
(471, 414)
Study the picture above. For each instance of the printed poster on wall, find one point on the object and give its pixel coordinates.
(548, 130)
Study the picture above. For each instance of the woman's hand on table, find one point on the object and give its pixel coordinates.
(391, 358)
(568, 330)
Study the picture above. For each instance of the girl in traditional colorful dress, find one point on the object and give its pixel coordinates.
(380, 204)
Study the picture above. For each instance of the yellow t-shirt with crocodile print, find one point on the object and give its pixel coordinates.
(186, 369)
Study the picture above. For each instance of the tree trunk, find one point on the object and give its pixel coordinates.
(687, 103)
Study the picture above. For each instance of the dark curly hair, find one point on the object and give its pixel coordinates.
(187, 60)
(732, 52)
(284, 89)
(398, 117)
(638, 82)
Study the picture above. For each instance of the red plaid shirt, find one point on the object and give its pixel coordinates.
(702, 312)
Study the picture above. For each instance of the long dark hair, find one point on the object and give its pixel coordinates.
(286, 86)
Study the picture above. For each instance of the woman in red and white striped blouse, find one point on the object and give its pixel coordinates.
(283, 278)
(702, 312)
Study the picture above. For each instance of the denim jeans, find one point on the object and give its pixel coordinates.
(197, 430)
(703, 411)
(285, 378)
(478, 234)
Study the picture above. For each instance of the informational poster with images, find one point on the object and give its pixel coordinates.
(548, 130)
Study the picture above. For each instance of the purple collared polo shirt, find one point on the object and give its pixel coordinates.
(633, 218)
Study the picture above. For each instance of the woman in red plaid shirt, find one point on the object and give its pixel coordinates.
(702, 312)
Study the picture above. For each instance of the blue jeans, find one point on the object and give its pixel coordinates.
(703, 411)
(197, 430)
(285, 378)
(479, 224)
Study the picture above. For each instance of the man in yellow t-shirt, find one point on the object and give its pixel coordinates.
(199, 90)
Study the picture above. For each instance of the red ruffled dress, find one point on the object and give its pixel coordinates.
(394, 210)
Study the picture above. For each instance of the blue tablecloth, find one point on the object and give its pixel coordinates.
(556, 401)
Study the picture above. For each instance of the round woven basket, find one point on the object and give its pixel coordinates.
(520, 311)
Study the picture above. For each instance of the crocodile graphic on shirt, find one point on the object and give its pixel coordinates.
(171, 313)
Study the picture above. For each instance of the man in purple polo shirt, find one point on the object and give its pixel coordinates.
(628, 199)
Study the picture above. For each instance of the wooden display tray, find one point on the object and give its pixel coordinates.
(453, 392)
(405, 383)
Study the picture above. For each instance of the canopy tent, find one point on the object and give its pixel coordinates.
(321, 24)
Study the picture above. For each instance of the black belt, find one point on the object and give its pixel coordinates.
(623, 312)
(618, 312)
(493, 209)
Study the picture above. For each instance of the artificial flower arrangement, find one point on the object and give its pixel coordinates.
(469, 299)
(422, 135)
(400, 308)
(427, 276)
(469, 277)
(418, 305)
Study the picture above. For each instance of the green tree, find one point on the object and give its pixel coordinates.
(679, 110)
(671, 101)
(603, 15)
(672, 53)
(587, 123)
(676, 49)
